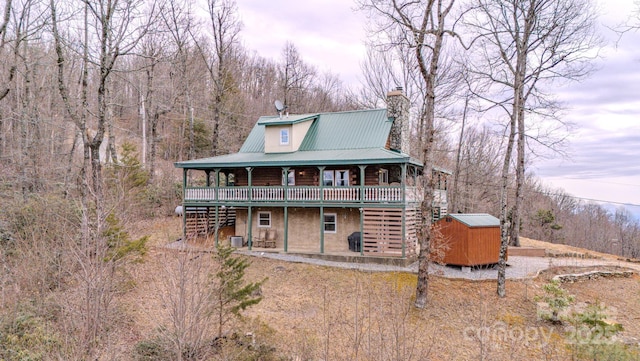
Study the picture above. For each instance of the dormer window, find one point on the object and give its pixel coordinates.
(284, 136)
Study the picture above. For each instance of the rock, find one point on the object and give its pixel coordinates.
(577, 277)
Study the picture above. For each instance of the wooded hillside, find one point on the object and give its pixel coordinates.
(99, 98)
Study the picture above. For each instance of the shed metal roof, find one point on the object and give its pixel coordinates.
(476, 219)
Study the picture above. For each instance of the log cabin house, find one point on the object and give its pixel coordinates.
(306, 183)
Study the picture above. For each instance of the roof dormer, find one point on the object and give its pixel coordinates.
(284, 135)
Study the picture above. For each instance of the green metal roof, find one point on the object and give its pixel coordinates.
(476, 219)
(342, 130)
(349, 130)
(293, 119)
(255, 141)
(340, 138)
(301, 158)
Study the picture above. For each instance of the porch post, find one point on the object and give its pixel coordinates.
(249, 209)
(286, 228)
(249, 185)
(184, 207)
(361, 231)
(217, 178)
(404, 207)
(321, 180)
(249, 225)
(321, 229)
(362, 168)
(285, 182)
(216, 184)
(217, 220)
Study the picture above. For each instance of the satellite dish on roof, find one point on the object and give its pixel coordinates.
(280, 107)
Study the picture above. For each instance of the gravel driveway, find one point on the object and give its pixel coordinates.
(518, 267)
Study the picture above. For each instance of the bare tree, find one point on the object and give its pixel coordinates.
(477, 172)
(157, 97)
(4, 90)
(116, 28)
(424, 26)
(178, 21)
(186, 290)
(296, 78)
(521, 46)
(225, 27)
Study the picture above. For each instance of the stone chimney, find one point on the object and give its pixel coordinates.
(398, 109)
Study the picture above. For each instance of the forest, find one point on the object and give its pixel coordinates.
(99, 98)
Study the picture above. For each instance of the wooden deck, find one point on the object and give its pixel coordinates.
(307, 194)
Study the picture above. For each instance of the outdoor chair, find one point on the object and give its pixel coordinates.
(261, 239)
(270, 240)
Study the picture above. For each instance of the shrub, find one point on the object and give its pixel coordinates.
(557, 300)
(25, 336)
(591, 336)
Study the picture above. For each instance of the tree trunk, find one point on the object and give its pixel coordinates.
(520, 167)
(456, 173)
(426, 207)
(505, 225)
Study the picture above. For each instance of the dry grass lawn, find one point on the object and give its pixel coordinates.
(314, 312)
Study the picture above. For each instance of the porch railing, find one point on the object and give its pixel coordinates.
(353, 194)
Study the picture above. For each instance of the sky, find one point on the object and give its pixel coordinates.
(603, 162)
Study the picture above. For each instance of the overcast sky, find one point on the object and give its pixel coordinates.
(604, 149)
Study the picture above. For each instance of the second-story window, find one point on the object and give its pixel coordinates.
(337, 178)
(327, 178)
(383, 177)
(342, 178)
(284, 136)
(291, 178)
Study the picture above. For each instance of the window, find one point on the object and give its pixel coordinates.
(291, 178)
(284, 136)
(383, 177)
(342, 178)
(231, 179)
(264, 219)
(330, 222)
(338, 178)
(328, 178)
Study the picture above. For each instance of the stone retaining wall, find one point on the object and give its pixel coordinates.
(577, 277)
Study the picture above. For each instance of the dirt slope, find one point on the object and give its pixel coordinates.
(315, 312)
